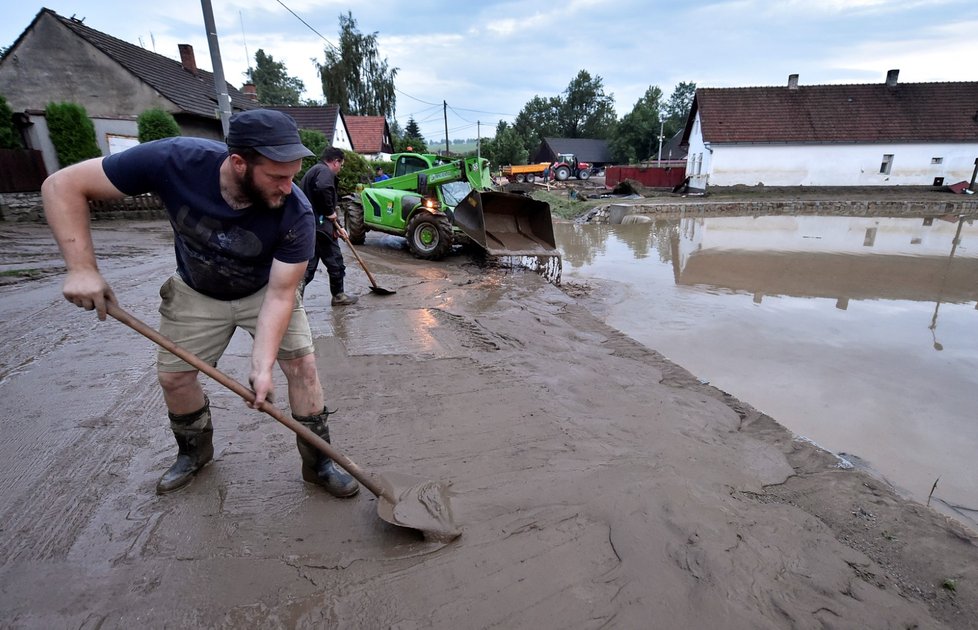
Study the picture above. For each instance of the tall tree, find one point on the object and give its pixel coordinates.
(411, 138)
(537, 120)
(678, 106)
(506, 147)
(273, 83)
(637, 134)
(354, 76)
(585, 110)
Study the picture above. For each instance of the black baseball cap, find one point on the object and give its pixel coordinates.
(272, 133)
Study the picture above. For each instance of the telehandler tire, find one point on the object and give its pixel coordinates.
(353, 222)
(429, 236)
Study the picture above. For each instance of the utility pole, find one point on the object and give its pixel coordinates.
(662, 127)
(444, 109)
(478, 139)
(220, 85)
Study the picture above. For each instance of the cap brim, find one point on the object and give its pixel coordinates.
(285, 152)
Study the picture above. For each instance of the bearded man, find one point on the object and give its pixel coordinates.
(243, 235)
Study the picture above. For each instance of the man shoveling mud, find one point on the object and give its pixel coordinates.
(242, 242)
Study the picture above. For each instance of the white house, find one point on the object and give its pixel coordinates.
(885, 134)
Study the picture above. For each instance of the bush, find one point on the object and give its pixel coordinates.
(387, 165)
(356, 170)
(71, 133)
(154, 124)
(9, 137)
(315, 141)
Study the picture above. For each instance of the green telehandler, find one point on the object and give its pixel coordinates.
(436, 203)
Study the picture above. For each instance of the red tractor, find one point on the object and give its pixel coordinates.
(566, 165)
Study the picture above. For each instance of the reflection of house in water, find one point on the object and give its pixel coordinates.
(845, 258)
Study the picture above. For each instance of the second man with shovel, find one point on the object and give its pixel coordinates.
(319, 185)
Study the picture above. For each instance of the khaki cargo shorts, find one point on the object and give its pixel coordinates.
(204, 325)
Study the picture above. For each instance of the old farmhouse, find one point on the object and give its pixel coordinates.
(885, 134)
(59, 59)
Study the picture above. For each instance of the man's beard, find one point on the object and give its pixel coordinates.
(255, 195)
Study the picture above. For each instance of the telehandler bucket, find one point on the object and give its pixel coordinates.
(507, 224)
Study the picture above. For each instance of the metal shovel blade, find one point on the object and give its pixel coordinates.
(417, 503)
(401, 500)
(507, 224)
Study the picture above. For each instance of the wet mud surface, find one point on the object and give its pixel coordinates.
(596, 484)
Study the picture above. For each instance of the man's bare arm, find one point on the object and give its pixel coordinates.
(65, 195)
(273, 320)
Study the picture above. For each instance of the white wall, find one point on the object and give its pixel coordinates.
(840, 164)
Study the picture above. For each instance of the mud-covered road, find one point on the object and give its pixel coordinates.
(596, 484)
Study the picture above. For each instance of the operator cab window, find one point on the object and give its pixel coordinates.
(409, 164)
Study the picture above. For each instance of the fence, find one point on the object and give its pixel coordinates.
(21, 170)
(665, 174)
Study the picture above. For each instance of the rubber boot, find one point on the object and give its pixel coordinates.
(194, 434)
(340, 297)
(319, 469)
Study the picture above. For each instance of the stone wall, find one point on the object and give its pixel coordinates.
(17, 207)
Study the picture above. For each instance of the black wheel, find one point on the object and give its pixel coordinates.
(353, 222)
(520, 177)
(584, 174)
(562, 173)
(530, 177)
(429, 236)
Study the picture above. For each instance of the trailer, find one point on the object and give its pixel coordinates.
(525, 172)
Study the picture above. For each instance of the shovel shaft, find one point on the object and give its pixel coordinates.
(298, 428)
(346, 238)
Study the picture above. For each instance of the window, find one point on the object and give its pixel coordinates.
(938, 160)
(887, 164)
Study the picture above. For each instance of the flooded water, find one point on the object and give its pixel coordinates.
(858, 333)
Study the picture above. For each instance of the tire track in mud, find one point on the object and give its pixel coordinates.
(63, 445)
(70, 478)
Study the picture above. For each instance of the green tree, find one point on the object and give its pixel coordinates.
(354, 76)
(506, 147)
(537, 120)
(155, 123)
(272, 82)
(410, 138)
(9, 137)
(677, 108)
(585, 110)
(72, 133)
(637, 134)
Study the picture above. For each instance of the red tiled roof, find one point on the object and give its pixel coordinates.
(367, 133)
(905, 112)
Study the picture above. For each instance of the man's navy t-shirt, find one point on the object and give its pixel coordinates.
(221, 252)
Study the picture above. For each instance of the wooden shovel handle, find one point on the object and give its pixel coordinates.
(297, 427)
(346, 238)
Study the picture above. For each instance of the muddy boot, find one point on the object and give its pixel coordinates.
(194, 434)
(343, 299)
(319, 469)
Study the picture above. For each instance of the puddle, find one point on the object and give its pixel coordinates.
(857, 333)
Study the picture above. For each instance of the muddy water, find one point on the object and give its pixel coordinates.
(856, 333)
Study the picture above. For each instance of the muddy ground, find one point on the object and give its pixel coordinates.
(596, 484)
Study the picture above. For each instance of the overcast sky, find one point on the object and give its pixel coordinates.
(487, 59)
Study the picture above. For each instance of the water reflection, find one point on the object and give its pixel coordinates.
(856, 332)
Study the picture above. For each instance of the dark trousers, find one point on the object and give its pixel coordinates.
(328, 250)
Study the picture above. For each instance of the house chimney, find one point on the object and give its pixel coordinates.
(792, 81)
(187, 59)
(249, 90)
(891, 78)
